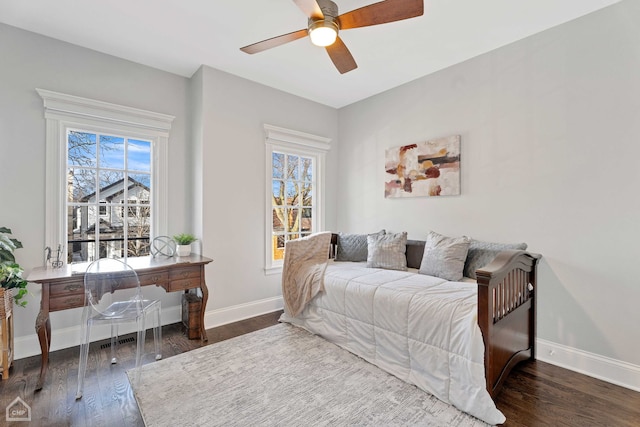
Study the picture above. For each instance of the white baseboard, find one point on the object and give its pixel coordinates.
(223, 316)
(27, 346)
(603, 368)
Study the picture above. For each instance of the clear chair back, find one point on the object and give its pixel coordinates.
(106, 277)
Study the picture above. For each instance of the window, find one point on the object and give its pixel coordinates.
(295, 166)
(105, 171)
(106, 177)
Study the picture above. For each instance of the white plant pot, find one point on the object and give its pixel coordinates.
(183, 250)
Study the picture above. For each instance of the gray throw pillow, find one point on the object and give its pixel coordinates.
(482, 253)
(444, 256)
(353, 247)
(387, 251)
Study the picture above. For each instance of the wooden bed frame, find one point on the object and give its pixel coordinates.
(506, 310)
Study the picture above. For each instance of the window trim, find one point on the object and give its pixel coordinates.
(292, 142)
(63, 112)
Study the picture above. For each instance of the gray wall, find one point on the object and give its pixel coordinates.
(30, 61)
(216, 165)
(232, 199)
(550, 128)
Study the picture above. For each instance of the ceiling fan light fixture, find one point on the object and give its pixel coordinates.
(323, 32)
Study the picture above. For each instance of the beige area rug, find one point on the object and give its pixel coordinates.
(283, 376)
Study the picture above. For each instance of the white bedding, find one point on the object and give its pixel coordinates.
(422, 329)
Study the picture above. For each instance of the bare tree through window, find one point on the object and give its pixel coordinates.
(292, 199)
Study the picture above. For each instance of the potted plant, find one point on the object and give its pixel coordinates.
(11, 281)
(183, 243)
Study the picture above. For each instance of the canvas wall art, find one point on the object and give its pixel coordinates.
(430, 168)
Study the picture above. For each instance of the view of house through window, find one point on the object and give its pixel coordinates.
(108, 196)
(292, 199)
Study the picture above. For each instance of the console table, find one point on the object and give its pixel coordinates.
(63, 289)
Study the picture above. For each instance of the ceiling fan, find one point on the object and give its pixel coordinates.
(324, 24)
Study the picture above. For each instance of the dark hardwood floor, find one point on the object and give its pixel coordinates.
(536, 394)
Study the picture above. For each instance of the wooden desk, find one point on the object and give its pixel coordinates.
(63, 289)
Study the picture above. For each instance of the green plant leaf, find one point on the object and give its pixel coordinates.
(17, 243)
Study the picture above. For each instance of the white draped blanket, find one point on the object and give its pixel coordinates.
(420, 328)
(303, 270)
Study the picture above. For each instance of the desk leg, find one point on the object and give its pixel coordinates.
(205, 297)
(43, 329)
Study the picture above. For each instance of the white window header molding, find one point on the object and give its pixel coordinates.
(62, 106)
(277, 135)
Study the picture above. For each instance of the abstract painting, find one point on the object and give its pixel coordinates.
(430, 168)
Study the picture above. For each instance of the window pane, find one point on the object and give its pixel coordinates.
(292, 193)
(307, 194)
(278, 247)
(139, 186)
(81, 224)
(306, 220)
(278, 192)
(307, 169)
(277, 163)
(293, 218)
(278, 219)
(74, 223)
(111, 152)
(111, 187)
(81, 183)
(111, 249)
(138, 239)
(293, 170)
(81, 149)
(139, 155)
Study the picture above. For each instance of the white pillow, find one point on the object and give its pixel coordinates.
(444, 256)
(387, 251)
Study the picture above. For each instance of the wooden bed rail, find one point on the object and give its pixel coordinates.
(507, 313)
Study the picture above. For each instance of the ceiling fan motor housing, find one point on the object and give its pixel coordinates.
(330, 11)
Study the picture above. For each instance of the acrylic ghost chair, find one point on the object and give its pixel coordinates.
(106, 281)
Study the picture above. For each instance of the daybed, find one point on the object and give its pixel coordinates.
(456, 339)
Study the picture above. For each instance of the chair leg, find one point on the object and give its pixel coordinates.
(157, 334)
(139, 347)
(84, 355)
(114, 342)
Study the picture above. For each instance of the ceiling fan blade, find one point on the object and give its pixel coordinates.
(274, 41)
(310, 8)
(341, 57)
(381, 13)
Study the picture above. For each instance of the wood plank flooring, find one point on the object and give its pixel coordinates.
(536, 394)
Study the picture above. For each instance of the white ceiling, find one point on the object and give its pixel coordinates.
(180, 35)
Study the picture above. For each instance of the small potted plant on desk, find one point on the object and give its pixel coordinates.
(183, 243)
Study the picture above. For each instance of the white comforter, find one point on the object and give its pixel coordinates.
(422, 329)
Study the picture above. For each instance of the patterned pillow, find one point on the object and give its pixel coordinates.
(387, 251)
(444, 256)
(353, 247)
(482, 253)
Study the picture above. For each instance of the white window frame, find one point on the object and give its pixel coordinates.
(63, 112)
(289, 141)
